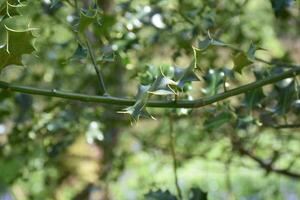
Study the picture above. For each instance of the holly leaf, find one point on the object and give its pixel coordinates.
(213, 80)
(162, 86)
(80, 53)
(86, 18)
(243, 59)
(253, 98)
(16, 45)
(182, 76)
(15, 36)
(198, 194)
(209, 42)
(159, 195)
(240, 61)
(12, 7)
(139, 108)
(286, 96)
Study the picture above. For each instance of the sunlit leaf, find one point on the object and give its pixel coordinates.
(162, 86)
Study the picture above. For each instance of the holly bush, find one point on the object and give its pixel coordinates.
(149, 99)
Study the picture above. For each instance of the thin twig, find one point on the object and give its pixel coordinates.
(102, 87)
(173, 153)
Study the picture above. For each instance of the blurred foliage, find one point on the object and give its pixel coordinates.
(241, 148)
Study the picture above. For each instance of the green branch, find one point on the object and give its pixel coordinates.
(174, 104)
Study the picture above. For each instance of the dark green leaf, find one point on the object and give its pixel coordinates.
(213, 80)
(198, 194)
(209, 42)
(240, 61)
(80, 53)
(86, 18)
(286, 96)
(159, 195)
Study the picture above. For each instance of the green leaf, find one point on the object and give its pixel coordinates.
(243, 59)
(286, 96)
(16, 45)
(182, 76)
(209, 42)
(139, 108)
(218, 121)
(198, 194)
(80, 53)
(159, 195)
(162, 86)
(213, 80)
(240, 61)
(86, 18)
(253, 98)
(13, 6)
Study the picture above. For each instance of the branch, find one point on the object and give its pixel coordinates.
(168, 103)
(268, 166)
(286, 126)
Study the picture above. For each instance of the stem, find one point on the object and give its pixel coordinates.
(173, 153)
(167, 103)
(102, 87)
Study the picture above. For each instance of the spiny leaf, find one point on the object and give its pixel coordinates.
(79, 53)
(15, 37)
(86, 18)
(16, 45)
(209, 42)
(182, 76)
(240, 61)
(286, 96)
(243, 59)
(162, 86)
(13, 6)
(139, 108)
(198, 194)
